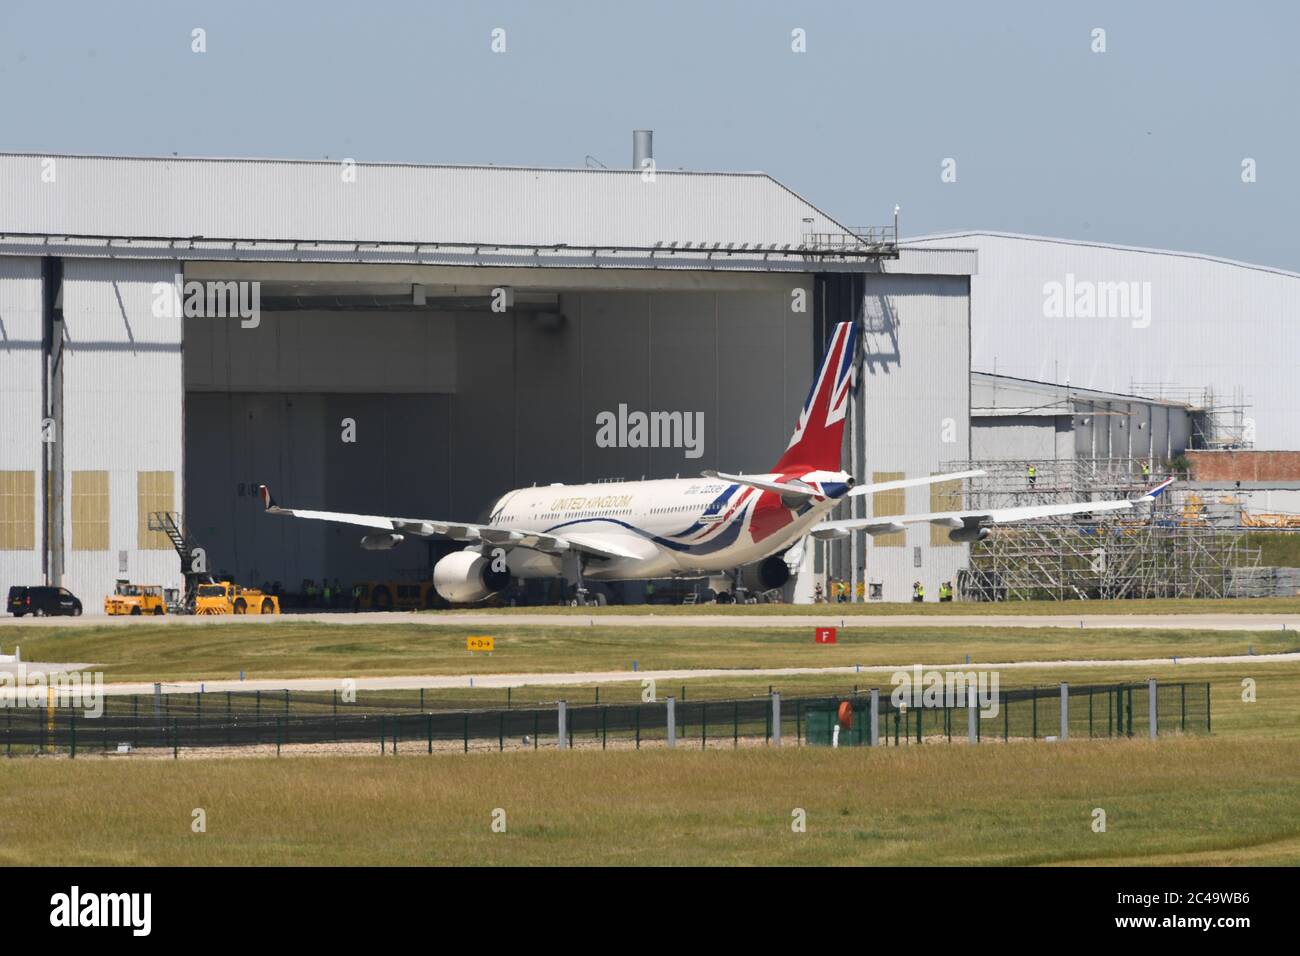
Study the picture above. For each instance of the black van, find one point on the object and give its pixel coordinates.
(42, 601)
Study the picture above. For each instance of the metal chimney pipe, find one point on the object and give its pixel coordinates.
(643, 148)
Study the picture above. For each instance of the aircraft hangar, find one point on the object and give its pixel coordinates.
(416, 340)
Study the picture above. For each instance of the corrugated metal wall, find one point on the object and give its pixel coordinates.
(916, 412)
(123, 398)
(21, 370)
(1210, 323)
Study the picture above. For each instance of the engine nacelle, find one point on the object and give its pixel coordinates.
(968, 534)
(382, 542)
(769, 573)
(465, 577)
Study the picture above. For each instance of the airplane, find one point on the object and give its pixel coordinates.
(720, 525)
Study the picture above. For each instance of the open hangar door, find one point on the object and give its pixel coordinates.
(452, 404)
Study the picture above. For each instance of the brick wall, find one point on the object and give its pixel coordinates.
(1244, 465)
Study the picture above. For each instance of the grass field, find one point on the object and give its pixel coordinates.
(297, 649)
(1231, 798)
(1205, 801)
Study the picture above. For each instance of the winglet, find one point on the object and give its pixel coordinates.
(268, 502)
(1157, 491)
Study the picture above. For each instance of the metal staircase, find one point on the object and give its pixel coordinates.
(171, 524)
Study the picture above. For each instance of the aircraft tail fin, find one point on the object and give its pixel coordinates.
(819, 435)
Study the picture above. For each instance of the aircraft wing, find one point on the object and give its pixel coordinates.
(888, 524)
(492, 535)
(912, 482)
(783, 488)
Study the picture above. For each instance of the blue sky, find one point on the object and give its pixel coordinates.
(1141, 145)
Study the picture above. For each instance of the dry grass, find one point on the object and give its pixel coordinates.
(1191, 800)
(149, 652)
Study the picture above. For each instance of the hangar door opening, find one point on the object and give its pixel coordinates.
(334, 407)
(372, 397)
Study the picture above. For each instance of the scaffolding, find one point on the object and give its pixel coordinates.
(1218, 422)
(1171, 548)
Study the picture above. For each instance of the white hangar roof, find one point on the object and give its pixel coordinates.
(322, 210)
(1132, 320)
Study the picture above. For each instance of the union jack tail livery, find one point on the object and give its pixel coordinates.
(819, 436)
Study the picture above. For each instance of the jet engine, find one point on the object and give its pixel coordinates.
(465, 577)
(381, 542)
(769, 573)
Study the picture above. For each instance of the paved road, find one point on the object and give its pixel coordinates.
(487, 619)
(501, 681)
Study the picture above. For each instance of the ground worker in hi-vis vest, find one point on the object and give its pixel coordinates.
(1033, 476)
(945, 591)
(918, 591)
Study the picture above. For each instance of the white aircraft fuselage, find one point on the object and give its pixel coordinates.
(675, 526)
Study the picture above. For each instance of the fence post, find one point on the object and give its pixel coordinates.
(776, 718)
(972, 713)
(428, 729)
(72, 733)
(466, 732)
(1182, 707)
(704, 726)
(1065, 710)
(875, 716)
(672, 722)
(1151, 707)
(1207, 706)
(383, 735)
(735, 724)
(638, 726)
(277, 736)
(176, 744)
(604, 715)
(501, 733)
(561, 720)
(1006, 717)
(1034, 698)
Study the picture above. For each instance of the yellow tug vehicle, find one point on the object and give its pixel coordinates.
(226, 597)
(136, 599)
